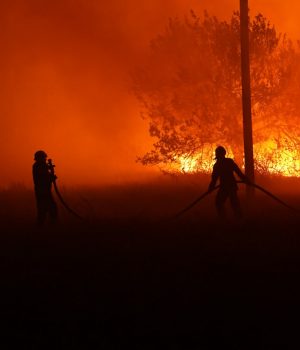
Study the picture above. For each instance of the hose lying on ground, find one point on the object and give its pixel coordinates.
(71, 211)
(253, 185)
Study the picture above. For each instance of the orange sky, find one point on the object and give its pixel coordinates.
(65, 83)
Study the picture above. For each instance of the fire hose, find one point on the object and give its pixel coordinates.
(190, 206)
(63, 202)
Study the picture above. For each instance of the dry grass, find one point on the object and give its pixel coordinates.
(134, 271)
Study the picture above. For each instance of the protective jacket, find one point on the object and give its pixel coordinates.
(224, 170)
(42, 178)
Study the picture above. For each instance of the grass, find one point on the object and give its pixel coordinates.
(132, 273)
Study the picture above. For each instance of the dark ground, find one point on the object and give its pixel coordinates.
(134, 276)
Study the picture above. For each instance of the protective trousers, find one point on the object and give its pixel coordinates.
(45, 205)
(222, 195)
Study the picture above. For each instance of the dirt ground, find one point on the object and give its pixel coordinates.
(133, 275)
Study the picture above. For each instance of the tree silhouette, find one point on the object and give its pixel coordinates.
(190, 88)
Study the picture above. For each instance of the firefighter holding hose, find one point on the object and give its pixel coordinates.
(43, 179)
(224, 170)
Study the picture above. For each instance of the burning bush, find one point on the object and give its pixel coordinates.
(190, 89)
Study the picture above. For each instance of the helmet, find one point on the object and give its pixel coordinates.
(40, 155)
(220, 152)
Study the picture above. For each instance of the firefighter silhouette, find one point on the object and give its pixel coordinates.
(43, 179)
(224, 170)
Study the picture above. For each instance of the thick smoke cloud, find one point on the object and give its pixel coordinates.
(65, 83)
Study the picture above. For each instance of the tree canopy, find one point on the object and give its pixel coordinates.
(189, 87)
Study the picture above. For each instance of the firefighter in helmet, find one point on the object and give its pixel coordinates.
(224, 170)
(42, 179)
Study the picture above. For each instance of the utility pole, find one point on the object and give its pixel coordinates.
(246, 96)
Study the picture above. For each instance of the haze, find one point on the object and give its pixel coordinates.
(65, 81)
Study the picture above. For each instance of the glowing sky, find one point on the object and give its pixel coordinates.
(65, 84)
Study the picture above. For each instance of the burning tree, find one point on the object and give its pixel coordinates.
(190, 89)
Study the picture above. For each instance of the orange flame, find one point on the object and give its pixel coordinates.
(269, 159)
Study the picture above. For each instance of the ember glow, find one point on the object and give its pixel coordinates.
(200, 162)
(279, 160)
(269, 159)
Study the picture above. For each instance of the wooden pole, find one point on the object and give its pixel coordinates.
(246, 96)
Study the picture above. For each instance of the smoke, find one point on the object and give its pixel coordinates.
(65, 83)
